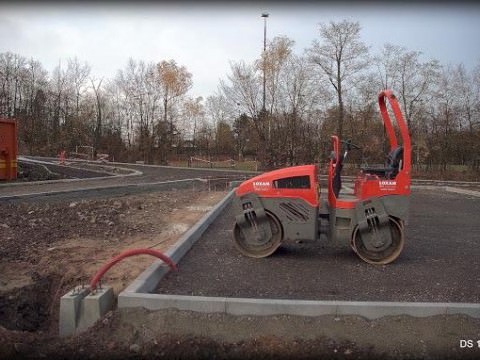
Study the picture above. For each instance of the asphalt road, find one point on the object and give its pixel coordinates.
(440, 262)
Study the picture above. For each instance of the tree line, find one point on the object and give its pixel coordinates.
(146, 113)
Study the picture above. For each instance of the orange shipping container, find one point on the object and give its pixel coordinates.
(8, 149)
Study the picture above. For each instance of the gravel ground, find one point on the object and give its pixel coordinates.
(37, 268)
(440, 262)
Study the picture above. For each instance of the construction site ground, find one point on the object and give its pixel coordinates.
(51, 244)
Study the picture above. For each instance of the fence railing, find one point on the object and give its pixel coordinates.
(198, 162)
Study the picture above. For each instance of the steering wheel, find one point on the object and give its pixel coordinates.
(348, 143)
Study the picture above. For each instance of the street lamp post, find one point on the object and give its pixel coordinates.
(264, 16)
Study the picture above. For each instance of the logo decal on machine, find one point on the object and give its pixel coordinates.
(388, 184)
(261, 185)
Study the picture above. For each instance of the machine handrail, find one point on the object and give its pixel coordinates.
(392, 99)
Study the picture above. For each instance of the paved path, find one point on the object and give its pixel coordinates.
(148, 175)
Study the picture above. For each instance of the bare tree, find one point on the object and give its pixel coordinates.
(193, 114)
(467, 96)
(340, 56)
(224, 140)
(36, 127)
(221, 115)
(218, 108)
(174, 81)
(387, 65)
(78, 74)
(145, 111)
(98, 122)
(37, 79)
(300, 97)
(5, 80)
(12, 73)
(58, 89)
(415, 82)
(274, 59)
(243, 90)
(243, 87)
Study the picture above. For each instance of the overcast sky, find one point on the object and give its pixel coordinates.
(205, 37)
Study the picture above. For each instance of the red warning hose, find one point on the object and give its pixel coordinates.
(128, 253)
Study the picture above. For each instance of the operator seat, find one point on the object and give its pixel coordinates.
(394, 162)
(392, 165)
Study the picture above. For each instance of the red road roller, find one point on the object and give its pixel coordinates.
(285, 204)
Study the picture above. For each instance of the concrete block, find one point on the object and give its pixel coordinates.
(373, 310)
(148, 280)
(80, 309)
(194, 303)
(472, 310)
(237, 306)
(180, 302)
(70, 305)
(94, 306)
